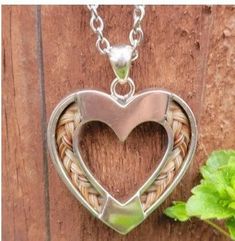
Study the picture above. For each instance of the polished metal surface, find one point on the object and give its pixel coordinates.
(122, 115)
(119, 116)
(122, 98)
(120, 58)
(123, 217)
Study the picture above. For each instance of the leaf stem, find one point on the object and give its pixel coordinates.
(218, 228)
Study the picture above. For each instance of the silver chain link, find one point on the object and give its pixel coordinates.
(136, 34)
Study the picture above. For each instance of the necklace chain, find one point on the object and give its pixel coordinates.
(135, 37)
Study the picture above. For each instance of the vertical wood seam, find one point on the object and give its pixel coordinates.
(204, 61)
(43, 119)
(13, 80)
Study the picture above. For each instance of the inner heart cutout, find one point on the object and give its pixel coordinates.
(67, 122)
(113, 162)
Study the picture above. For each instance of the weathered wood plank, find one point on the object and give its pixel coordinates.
(187, 49)
(170, 57)
(217, 117)
(216, 122)
(23, 178)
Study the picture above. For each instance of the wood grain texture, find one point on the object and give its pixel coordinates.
(23, 178)
(187, 49)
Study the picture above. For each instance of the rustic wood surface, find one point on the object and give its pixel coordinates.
(48, 52)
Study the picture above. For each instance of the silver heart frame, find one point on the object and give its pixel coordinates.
(122, 115)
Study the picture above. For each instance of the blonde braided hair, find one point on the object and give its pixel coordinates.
(70, 120)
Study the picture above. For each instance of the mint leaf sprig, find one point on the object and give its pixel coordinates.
(214, 197)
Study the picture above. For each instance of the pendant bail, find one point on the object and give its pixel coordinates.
(120, 57)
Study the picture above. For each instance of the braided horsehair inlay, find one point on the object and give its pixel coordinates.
(66, 126)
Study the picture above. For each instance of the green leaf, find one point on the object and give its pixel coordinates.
(223, 180)
(232, 205)
(230, 223)
(220, 170)
(233, 182)
(231, 160)
(220, 158)
(177, 211)
(231, 192)
(206, 203)
(214, 197)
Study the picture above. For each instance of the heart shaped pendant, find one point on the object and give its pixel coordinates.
(122, 114)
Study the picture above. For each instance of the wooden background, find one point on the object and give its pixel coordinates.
(48, 52)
